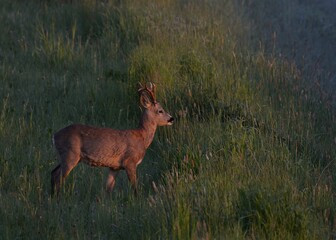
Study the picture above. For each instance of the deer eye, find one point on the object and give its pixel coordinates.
(160, 111)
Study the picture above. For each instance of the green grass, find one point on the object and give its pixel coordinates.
(252, 152)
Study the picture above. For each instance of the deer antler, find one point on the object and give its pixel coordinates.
(150, 89)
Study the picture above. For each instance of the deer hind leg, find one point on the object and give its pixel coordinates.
(58, 175)
(111, 180)
(55, 179)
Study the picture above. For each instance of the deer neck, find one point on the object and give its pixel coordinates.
(147, 127)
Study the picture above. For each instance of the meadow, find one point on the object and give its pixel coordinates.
(251, 154)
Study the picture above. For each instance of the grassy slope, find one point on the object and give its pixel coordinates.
(251, 154)
(303, 31)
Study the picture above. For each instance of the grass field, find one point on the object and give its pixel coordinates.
(251, 154)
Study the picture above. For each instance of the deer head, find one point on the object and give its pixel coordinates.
(152, 108)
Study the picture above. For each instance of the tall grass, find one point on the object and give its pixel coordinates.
(251, 154)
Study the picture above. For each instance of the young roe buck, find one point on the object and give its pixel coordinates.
(105, 147)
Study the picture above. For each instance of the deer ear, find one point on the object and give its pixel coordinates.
(145, 100)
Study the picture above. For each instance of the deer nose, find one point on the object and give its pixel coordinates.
(171, 120)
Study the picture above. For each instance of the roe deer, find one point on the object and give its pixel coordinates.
(105, 147)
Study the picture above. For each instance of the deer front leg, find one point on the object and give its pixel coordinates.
(111, 180)
(131, 174)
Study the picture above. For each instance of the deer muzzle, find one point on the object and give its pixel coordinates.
(171, 121)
